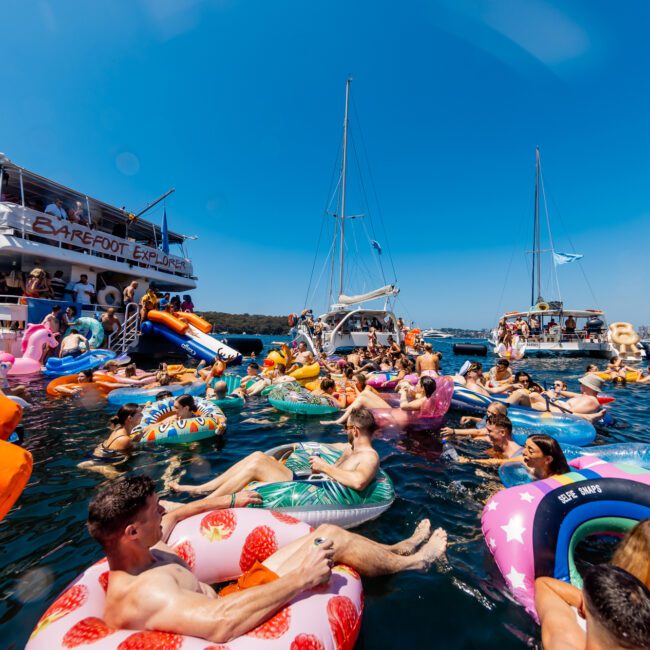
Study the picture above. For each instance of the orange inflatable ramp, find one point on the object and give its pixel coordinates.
(200, 323)
(15, 470)
(168, 320)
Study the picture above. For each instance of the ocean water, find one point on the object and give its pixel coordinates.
(461, 603)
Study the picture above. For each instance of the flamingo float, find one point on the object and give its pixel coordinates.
(35, 340)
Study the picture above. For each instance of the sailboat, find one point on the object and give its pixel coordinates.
(348, 322)
(550, 328)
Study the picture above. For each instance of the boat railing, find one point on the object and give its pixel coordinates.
(127, 336)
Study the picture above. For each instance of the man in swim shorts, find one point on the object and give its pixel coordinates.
(73, 345)
(614, 612)
(303, 358)
(151, 588)
(355, 468)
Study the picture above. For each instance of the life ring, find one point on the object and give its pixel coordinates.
(532, 530)
(109, 297)
(318, 499)
(291, 397)
(86, 326)
(155, 427)
(16, 465)
(542, 306)
(217, 546)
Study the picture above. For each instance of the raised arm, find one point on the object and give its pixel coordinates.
(553, 600)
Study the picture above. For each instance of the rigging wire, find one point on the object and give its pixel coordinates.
(374, 189)
(550, 238)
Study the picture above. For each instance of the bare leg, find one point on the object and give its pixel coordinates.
(521, 397)
(366, 556)
(256, 467)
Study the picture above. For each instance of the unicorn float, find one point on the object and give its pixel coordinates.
(35, 340)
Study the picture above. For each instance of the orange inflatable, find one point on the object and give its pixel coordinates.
(411, 335)
(10, 416)
(167, 319)
(200, 323)
(15, 470)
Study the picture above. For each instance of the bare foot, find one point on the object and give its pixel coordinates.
(434, 548)
(420, 535)
(174, 486)
(169, 506)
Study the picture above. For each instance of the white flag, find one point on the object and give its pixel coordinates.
(565, 258)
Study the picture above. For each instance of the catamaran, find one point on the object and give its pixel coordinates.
(346, 325)
(550, 327)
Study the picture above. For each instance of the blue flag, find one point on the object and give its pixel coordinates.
(165, 235)
(565, 258)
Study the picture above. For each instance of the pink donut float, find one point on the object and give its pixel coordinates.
(428, 418)
(218, 546)
(532, 530)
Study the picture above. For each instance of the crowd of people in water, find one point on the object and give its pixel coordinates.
(132, 524)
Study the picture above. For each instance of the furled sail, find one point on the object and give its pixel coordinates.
(388, 290)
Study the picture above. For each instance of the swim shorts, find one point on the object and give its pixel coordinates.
(257, 575)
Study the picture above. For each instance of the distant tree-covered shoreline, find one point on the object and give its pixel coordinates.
(248, 323)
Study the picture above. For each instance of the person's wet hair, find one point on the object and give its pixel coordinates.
(117, 506)
(633, 552)
(327, 384)
(429, 385)
(619, 603)
(551, 447)
(501, 422)
(163, 394)
(363, 419)
(186, 400)
(125, 412)
(254, 365)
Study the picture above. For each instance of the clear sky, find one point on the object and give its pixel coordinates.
(238, 105)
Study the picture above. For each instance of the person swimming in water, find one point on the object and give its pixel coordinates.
(504, 448)
(543, 457)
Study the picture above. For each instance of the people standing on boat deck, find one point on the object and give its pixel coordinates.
(551, 327)
(110, 322)
(356, 468)
(372, 341)
(84, 291)
(73, 344)
(611, 613)
(504, 448)
(148, 302)
(53, 319)
(534, 323)
(56, 209)
(57, 284)
(584, 405)
(128, 295)
(36, 286)
(427, 361)
(187, 304)
(525, 330)
(570, 325)
(175, 303)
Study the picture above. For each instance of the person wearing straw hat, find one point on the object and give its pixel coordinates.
(584, 404)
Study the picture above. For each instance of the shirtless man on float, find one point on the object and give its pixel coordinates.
(355, 468)
(151, 588)
(303, 358)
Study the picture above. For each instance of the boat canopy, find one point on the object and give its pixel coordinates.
(388, 290)
(576, 313)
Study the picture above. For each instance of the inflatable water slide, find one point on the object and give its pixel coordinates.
(190, 333)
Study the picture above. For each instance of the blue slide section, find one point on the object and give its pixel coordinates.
(191, 347)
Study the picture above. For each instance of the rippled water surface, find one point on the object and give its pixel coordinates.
(462, 603)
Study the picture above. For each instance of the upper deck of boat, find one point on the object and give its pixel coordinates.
(92, 232)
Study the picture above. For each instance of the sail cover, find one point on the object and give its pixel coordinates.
(388, 290)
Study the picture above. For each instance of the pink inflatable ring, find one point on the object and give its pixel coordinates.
(533, 529)
(218, 546)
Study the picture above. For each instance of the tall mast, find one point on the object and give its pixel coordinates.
(536, 242)
(343, 173)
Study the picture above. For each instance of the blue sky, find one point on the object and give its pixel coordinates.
(238, 105)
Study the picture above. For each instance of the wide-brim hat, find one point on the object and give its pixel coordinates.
(592, 381)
